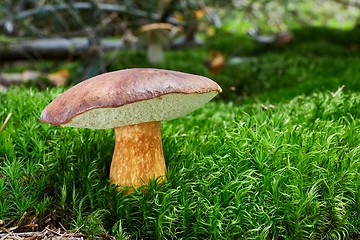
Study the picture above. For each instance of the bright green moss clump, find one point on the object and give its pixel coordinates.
(289, 172)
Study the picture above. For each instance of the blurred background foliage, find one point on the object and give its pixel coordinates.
(110, 17)
(280, 48)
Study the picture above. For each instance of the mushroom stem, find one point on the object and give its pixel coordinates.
(138, 155)
(155, 52)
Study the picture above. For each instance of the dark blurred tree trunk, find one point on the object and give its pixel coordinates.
(168, 10)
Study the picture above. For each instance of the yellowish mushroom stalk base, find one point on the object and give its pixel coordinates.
(138, 155)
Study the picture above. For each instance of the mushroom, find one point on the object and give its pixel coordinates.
(156, 36)
(133, 101)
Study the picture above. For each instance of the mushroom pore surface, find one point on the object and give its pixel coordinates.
(166, 107)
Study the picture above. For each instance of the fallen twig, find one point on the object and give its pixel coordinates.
(5, 122)
(63, 228)
(338, 91)
(54, 232)
(9, 223)
(21, 219)
(45, 234)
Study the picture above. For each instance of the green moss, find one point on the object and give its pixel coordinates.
(289, 172)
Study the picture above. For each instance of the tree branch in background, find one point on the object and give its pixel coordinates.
(55, 48)
(86, 6)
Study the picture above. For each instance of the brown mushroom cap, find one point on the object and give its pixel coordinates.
(128, 97)
(156, 26)
(157, 33)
